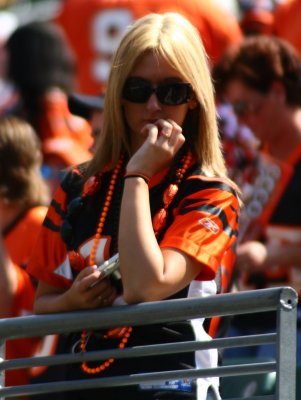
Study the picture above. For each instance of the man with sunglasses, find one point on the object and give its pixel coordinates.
(155, 199)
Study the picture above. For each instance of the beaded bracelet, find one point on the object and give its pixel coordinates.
(137, 175)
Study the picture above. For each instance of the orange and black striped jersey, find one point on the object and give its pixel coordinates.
(202, 223)
(104, 21)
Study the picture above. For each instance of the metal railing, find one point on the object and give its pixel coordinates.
(283, 300)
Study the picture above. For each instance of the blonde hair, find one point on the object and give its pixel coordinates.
(173, 37)
(20, 162)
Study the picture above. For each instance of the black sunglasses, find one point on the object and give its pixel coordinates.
(242, 107)
(139, 90)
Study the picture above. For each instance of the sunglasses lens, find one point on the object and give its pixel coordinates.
(136, 90)
(240, 107)
(174, 93)
(139, 91)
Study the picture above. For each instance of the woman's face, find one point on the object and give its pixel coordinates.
(254, 109)
(153, 70)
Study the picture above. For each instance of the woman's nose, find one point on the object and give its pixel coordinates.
(153, 102)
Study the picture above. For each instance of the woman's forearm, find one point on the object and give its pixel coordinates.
(52, 303)
(141, 259)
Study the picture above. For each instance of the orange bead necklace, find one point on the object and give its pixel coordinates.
(159, 221)
(124, 332)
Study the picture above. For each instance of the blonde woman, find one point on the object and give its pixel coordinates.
(156, 193)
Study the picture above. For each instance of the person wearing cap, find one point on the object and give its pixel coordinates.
(42, 67)
(90, 108)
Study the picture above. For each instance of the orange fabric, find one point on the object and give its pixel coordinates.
(21, 239)
(186, 232)
(287, 22)
(63, 135)
(19, 243)
(19, 348)
(104, 21)
(257, 22)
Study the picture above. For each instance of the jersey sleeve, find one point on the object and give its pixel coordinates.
(205, 225)
(50, 255)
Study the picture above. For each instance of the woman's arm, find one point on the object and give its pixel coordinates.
(149, 273)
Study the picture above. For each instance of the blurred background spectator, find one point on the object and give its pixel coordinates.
(8, 96)
(42, 68)
(287, 22)
(261, 79)
(105, 21)
(90, 108)
(24, 199)
(256, 16)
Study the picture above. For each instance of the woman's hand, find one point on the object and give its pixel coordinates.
(251, 256)
(163, 140)
(87, 292)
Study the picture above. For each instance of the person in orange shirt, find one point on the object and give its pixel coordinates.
(43, 69)
(104, 22)
(155, 194)
(287, 22)
(90, 108)
(24, 197)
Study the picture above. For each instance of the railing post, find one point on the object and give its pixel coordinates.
(2, 357)
(286, 345)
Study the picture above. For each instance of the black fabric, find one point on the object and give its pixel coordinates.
(153, 334)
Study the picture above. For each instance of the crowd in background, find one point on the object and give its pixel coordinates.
(53, 77)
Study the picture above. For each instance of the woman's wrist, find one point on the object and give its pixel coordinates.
(137, 174)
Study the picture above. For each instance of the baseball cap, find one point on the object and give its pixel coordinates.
(83, 105)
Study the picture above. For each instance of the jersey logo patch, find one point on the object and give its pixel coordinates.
(209, 225)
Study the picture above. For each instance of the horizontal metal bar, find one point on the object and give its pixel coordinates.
(128, 380)
(139, 351)
(266, 397)
(224, 304)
